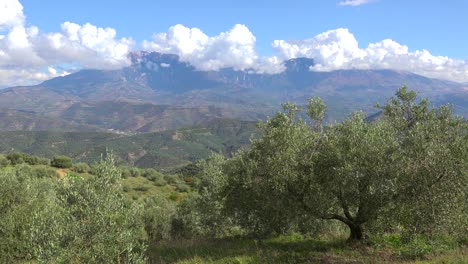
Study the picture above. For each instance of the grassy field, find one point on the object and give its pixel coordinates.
(290, 249)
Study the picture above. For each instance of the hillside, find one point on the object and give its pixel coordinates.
(158, 150)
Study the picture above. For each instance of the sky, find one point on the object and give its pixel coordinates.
(43, 39)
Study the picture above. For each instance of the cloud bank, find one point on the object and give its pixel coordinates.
(28, 56)
(331, 50)
(338, 49)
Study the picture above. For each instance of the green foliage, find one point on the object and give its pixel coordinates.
(4, 161)
(146, 150)
(409, 168)
(182, 187)
(16, 158)
(160, 182)
(81, 167)
(43, 171)
(316, 110)
(61, 162)
(172, 178)
(157, 218)
(75, 220)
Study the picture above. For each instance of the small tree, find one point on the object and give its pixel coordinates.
(16, 158)
(61, 161)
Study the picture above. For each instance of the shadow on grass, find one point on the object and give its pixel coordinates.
(277, 250)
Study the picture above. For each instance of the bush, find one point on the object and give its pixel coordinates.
(43, 161)
(124, 171)
(182, 187)
(157, 217)
(160, 182)
(172, 178)
(81, 167)
(35, 160)
(61, 162)
(45, 172)
(149, 172)
(16, 158)
(4, 161)
(141, 188)
(134, 172)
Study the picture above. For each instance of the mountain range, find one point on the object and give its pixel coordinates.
(160, 92)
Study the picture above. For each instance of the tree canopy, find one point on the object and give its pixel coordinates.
(409, 167)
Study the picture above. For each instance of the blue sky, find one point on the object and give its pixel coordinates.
(439, 26)
(41, 39)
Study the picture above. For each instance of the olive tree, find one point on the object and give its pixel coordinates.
(351, 172)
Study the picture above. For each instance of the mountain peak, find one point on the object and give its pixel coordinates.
(298, 64)
(145, 58)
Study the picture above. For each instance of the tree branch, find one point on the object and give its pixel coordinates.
(345, 207)
(339, 218)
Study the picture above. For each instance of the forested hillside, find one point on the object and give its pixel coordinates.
(149, 150)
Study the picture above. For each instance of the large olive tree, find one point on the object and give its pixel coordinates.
(352, 172)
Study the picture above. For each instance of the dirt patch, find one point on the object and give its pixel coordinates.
(62, 172)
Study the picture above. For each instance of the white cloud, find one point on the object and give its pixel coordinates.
(338, 49)
(25, 51)
(91, 46)
(354, 2)
(11, 14)
(234, 48)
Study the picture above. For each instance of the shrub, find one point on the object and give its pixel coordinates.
(141, 188)
(45, 172)
(172, 178)
(157, 217)
(16, 158)
(160, 182)
(43, 161)
(134, 172)
(35, 160)
(81, 167)
(61, 162)
(4, 161)
(150, 172)
(125, 172)
(182, 187)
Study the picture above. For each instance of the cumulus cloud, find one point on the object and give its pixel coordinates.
(338, 49)
(354, 2)
(11, 14)
(25, 51)
(234, 48)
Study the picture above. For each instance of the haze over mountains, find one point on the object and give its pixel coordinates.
(160, 92)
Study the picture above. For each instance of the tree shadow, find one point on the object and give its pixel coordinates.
(256, 251)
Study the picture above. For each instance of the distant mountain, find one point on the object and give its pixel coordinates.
(166, 149)
(159, 92)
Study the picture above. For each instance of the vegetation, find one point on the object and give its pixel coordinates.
(161, 150)
(395, 189)
(61, 162)
(411, 164)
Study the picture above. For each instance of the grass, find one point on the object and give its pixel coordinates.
(286, 249)
(140, 188)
